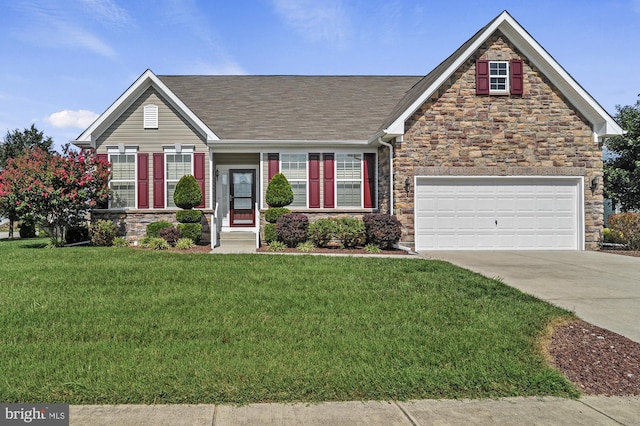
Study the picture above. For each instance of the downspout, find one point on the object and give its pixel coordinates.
(388, 145)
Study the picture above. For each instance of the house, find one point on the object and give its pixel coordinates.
(497, 148)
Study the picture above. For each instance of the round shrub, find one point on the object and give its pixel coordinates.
(272, 214)
(154, 227)
(270, 233)
(291, 229)
(322, 231)
(103, 232)
(170, 235)
(627, 225)
(351, 232)
(279, 192)
(382, 230)
(191, 230)
(189, 216)
(187, 194)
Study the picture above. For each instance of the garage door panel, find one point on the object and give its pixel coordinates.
(531, 213)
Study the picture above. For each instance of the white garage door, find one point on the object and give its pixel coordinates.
(509, 213)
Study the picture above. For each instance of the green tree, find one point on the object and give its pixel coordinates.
(279, 192)
(187, 194)
(17, 142)
(622, 169)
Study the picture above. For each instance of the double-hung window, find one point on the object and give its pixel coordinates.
(123, 178)
(294, 167)
(348, 180)
(499, 77)
(177, 164)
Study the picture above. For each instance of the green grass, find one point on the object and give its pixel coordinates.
(119, 325)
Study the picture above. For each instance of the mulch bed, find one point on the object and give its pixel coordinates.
(598, 361)
(358, 251)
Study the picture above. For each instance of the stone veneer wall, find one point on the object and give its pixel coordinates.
(133, 223)
(457, 132)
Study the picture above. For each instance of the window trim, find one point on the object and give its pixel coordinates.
(121, 149)
(506, 78)
(336, 180)
(173, 150)
(304, 180)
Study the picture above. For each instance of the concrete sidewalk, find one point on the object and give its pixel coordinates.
(508, 411)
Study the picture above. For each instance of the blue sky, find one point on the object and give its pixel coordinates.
(65, 62)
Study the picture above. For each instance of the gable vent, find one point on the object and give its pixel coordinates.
(150, 116)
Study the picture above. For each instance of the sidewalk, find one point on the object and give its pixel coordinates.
(508, 411)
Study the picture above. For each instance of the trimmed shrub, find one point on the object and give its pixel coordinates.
(103, 232)
(184, 243)
(191, 230)
(628, 226)
(382, 230)
(270, 234)
(77, 234)
(187, 194)
(351, 232)
(322, 231)
(189, 216)
(279, 192)
(27, 229)
(291, 229)
(154, 227)
(272, 214)
(170, 235)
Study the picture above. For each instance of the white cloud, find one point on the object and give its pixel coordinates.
(67, 118)
(108, 10)
(77, 37)
(325, 21)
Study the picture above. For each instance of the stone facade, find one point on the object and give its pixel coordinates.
(133, 223)
(457, 132)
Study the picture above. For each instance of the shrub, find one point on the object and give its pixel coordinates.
(120, 242)
(273, 214)
(306, 247)
(191, 230)
(170, 235)
(277, 246)
(628, 226)
(77, 234)
(27, 228)
(189, 216)
(184, 243)
(270, 234)
(154, 243)
(382, 230)
(322, 231)
(279, 192)
(103, 232)
(372, 249)
(291, 228)
(351, 232)
(154, 227)
(187, 194)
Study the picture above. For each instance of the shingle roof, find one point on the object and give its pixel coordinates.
(291, 107)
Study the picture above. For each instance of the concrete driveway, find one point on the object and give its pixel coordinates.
(601, 288)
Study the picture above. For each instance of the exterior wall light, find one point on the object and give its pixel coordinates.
(594, 184)
(407, 185)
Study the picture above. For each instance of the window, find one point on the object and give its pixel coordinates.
(123, 179)
(498, 77)
(177, 164)
(294, 167)
(348, 180)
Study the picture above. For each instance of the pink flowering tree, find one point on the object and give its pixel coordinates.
(55, 191)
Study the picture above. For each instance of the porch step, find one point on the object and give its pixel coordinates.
(236, 242)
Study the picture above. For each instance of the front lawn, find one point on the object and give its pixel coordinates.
(116, 325)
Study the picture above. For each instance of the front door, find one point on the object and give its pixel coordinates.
(243, 197)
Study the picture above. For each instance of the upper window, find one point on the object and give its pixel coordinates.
(348, 180)
(499, 77)
(177, 164)
(150, 116)
(294, 167)
(123, 178)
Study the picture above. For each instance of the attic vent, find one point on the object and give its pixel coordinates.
(150, 116)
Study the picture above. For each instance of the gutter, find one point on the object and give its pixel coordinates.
(388, 145)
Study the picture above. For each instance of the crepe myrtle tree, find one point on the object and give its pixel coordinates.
(53, 190)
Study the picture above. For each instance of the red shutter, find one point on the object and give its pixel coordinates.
(274, 164)
(482, 77)
(329, 178)
(198, 173)
(314, 181)
(158, 180)
(143, 180)
(369, 180)
(516, 77)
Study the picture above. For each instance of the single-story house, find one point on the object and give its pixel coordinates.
(497, 148)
